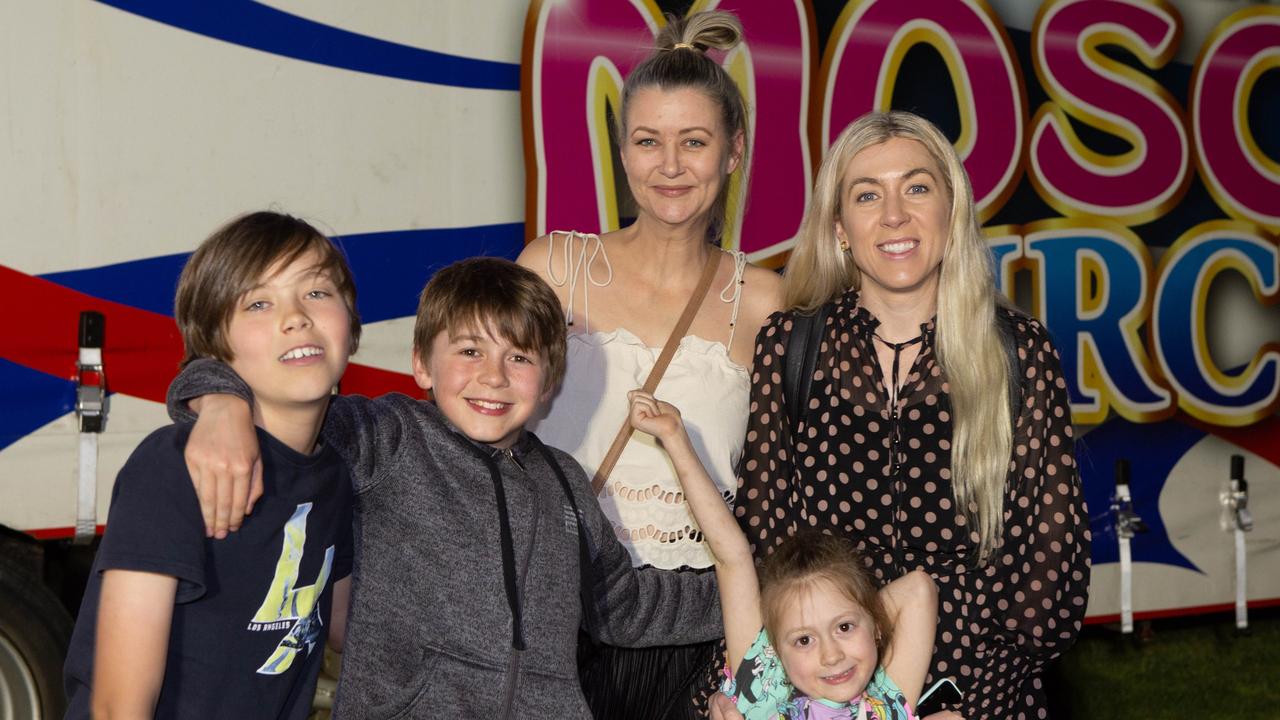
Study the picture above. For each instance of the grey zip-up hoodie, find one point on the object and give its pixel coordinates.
(467, 588)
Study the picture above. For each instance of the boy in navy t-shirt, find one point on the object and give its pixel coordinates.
(174, 624)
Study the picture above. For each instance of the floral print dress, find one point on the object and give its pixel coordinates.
(762, 692)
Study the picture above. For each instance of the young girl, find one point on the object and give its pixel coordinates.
(814, 639)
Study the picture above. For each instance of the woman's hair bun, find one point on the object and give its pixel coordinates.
(701, 31)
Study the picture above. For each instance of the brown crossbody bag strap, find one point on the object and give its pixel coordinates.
(659, 367)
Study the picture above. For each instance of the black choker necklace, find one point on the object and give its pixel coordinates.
(894, 386)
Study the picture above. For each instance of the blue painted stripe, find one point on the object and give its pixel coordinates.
(31, 399)
(1152, 451)
(257, 26)
(390, 268)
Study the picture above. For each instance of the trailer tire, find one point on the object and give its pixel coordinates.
(34, 632)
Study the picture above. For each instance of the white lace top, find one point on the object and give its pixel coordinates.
(642, 497)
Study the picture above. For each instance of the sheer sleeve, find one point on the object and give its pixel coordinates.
(769, 504)
(1042, 568)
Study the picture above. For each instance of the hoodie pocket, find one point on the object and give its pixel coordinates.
(403, 706)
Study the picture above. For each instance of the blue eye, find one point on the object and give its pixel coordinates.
(646, 142)
(918, 189)
(865, 197)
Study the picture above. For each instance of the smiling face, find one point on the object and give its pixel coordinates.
(290, 338)
(895, 215)
(826, 641)
(483, 383)
(676, 154)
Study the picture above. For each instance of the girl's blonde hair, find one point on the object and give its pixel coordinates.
(808, 557)
(970, 348)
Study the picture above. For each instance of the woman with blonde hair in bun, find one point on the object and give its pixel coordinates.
(682, 132)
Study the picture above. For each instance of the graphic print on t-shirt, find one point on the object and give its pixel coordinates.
(289, 606)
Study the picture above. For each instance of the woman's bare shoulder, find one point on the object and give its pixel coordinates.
(544, 251)
(534, 254)
(761, 294)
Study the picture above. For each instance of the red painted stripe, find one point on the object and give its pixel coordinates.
(1183, 612)
(1259, 438)
(61, 533)
(141, 351)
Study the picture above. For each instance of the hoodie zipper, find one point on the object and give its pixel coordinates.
(509, 689)
(512, 456)
(513, 660)
(508, 568)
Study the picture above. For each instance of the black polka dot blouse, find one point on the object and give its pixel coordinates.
(998, 623)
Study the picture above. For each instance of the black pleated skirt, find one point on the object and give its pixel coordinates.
(655, 683)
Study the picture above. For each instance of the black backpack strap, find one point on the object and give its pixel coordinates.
(585, 567)
(1007, 325)
(801, 361)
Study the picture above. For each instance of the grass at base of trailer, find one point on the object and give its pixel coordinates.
(1186, 667)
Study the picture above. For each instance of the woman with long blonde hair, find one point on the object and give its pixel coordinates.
(936, 430)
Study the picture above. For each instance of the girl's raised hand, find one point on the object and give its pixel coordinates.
(651, 415)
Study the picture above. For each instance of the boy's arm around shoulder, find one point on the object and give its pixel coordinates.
(638, 607)
(352, 423)
(911, 603)
(223, 456)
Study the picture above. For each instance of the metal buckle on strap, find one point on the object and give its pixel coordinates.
(91, 381)
(1237, 519)
(1127, 525)
(91, 409)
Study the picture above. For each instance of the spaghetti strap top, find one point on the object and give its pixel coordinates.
(643, 499)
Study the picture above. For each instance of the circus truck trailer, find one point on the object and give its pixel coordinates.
(130, 131)
(1122, 165)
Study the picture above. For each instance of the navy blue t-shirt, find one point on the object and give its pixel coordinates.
(252, 611)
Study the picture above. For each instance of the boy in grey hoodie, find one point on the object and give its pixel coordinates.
(480, 552)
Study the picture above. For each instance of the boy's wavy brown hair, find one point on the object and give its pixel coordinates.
(234, 260)
(501, 298)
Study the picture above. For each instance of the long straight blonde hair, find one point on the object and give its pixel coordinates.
(969, 345)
